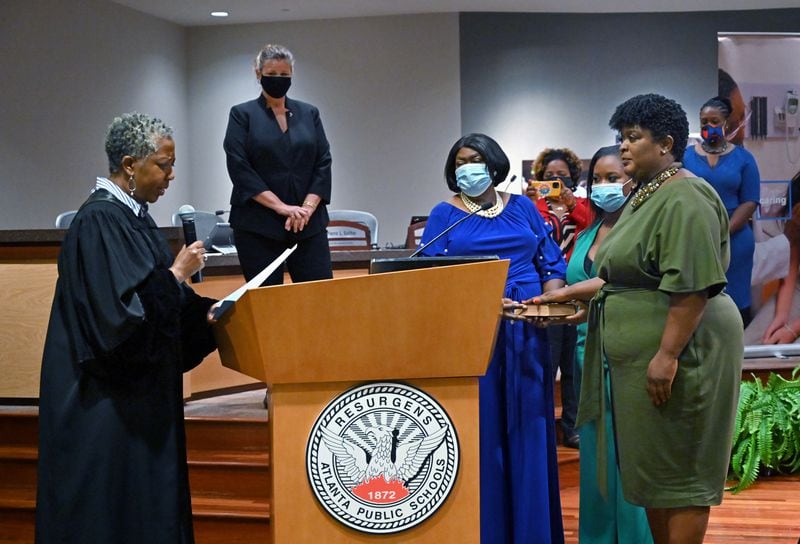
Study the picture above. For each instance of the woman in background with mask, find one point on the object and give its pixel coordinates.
(567, 215)
(602, 519)
(280, 164)
(519, 471)
(733, 172)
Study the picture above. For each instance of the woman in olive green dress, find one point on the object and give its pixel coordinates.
(671, 335)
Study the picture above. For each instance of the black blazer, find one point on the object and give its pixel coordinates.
(292, 164)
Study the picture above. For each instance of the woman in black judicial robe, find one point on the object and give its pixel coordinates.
(123, 329)
(279, 161)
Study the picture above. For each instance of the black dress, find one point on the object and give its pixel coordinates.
(112, 452)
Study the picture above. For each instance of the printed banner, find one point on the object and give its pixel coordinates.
(760, 75)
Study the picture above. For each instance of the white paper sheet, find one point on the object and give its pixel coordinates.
(228, 301)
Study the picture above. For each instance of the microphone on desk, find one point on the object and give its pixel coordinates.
(186, 213)
(485, 206)
(509, 182)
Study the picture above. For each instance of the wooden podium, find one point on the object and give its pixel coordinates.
(433, 329)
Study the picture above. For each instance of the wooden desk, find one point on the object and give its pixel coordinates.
(28, 273)
(762, 367)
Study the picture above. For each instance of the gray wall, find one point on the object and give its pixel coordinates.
(553, 80)
(388, 93)
(67, 69)
(394, 93)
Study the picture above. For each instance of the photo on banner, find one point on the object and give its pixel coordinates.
(760, 75)
(775, 201)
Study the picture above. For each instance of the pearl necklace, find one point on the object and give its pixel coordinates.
(653, 185)
(494, 211)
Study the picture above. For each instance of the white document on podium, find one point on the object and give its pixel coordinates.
(228, 301)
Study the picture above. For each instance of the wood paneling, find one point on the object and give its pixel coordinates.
(29, 286)
(210, 374)
(298, 517)
(28, 294)
(228, 473)
(368, 327)
(766, 513)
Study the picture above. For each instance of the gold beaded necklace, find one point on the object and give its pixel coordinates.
(653, 185)
(494, 211)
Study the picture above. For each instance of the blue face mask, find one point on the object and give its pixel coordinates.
(473, 178)
(609, 196)
(712, 134)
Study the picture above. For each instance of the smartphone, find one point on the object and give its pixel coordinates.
(548, 189)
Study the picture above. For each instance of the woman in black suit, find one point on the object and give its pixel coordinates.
(280, 164)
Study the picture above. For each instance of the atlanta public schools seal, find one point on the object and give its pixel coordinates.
(382, 457)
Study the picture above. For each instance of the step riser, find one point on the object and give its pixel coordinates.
(19, 430)
(246, 483)
(17, 527)
(201, 435)
(568, 475)
(220, 435)
(19, 478)
(221, 531)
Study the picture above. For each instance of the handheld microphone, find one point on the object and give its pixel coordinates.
(485, 206)
(186, 213)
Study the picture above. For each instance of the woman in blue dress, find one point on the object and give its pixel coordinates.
(520, 499)
(733, 172)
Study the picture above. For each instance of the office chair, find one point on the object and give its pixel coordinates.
(64, 219)
(348, 235)
(414, 233)
(356, 216)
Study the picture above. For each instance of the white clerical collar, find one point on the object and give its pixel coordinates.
(119, 194)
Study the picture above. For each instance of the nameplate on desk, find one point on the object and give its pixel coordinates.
(224, 250)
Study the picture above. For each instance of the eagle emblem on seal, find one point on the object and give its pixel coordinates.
(382, 457)
(389, 460)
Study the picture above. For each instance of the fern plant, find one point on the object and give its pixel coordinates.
(767, 432)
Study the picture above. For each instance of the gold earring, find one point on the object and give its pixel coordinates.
(131, 185)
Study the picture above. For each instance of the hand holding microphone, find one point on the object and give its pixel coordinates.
(189, 262)
(195, 249)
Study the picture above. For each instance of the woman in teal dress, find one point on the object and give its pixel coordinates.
(603, 518)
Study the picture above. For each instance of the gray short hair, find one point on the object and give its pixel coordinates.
(134, 134)
(273, 51)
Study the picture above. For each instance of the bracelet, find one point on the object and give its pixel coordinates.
(309, 204)
(788, 328)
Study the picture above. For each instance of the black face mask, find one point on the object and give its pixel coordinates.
(276, 86)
